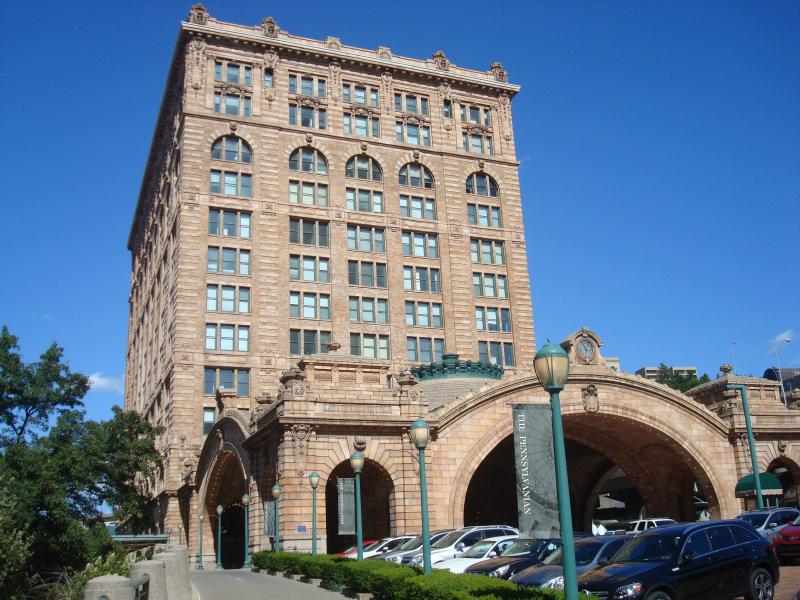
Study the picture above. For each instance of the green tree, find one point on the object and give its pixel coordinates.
(678, 381)
(31, 394)
(57, 482)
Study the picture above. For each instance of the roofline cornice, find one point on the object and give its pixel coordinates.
(342, 54)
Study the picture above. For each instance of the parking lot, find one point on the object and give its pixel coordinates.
(790, 583)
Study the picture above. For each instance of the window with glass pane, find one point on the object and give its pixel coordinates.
(309, 306)
(355, 344)
(226, 378)
(408, 278)
(383, 310)
(483, 352)
(213, 260)
(243, 383)
(209, 415)
(321, 88)
(228, 298)
(211, 297)
(294, 341)
(209, 381)
(216, 182)
(425, 350)
(398, 131)
(353, 309)
(217, 71)
(411, 315)
(412, 133)
(411, 349)
(324, 306)
(228, 260)
(231, 104)
(211, 337)
(435, 281)
(244, 262)
(422, 279)
(480, 318)
(292, 114)
(309, 342)
(306, 116)
(226, 333)
(269, 78)
(213, 222)
(324, 273)
(436, 315)
(367, 274)
(243, 340)
(346, 92)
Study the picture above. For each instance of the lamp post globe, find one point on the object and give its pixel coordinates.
(357, 463)
(420, 433)
(313, 479)
(551, 364)
(275, 491)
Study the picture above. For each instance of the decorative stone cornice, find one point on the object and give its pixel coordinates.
(451, 366)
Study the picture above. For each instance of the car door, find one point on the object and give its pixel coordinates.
(694, 578)
(727, 559)
(468, 539)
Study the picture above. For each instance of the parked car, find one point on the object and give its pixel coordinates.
(486, 548)
(707, 560)
(769, 521)
(351, 551)
(411, 547)
(523, 553)
(645, 524)
(787, 541)
(589, 552)
(387, 544)
(459, 540)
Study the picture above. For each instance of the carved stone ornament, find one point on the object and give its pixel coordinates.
(233, 126)
(309, 139)
(336, 84)
(333, 42)
(360, 442)
(198, 15)
(332, 345)
(441, 61)
(415, 154)
(504, 111)
(269, 27)
(299, 391)
(271, 58)
(264, 398)
(196, 66)
(591, 401)
(445, 90)
(725, 368)
(300, 435)
(364, 147)
(481, 164)
(499, 73)
(220, 441)
(386, 90)
(782, 445)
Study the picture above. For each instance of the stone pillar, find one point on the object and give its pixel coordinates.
(176, 562)
(112, 587)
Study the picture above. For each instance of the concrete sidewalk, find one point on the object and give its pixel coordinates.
(244, 585)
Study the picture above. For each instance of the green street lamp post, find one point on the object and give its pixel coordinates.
(313, 479)
(220, 508)
(357, 462)
(750, 441)
(246, 504)
(420, 432)
(276, 494)
(199, 566)
(551, 364)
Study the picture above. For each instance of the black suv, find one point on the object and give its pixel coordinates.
(710, 559)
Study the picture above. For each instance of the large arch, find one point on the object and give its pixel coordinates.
(377, 499)
(639, 426)
(224, 472)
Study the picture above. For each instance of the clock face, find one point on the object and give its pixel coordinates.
(585, 349)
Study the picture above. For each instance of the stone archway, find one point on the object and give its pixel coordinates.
(788, 472)
(377, 498)
(664, 442)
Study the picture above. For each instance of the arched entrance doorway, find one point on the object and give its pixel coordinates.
(788, 473)
(377, 497)
(226, 487)
(617, 473)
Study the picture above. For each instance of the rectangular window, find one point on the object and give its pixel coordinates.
(269, 78)
(366, 239)
(243, 338)
(244, 262)
(211, 337)
(211, 297)
(217, 71)
(420, 244)
(508, 354)
(242, 383)
(304, 341)
(226, 335)
(292, 84)
(228, 300)
(487, 251)
(209, 416)
(292, 114)
(310, 233)
(229, 260)
(346, 92)
(213, 260)
(447, 109)
(244, 300)
(209, 381)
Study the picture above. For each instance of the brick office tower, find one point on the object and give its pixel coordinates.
(300, 195)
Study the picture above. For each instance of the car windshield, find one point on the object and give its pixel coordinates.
(521, 548)
(374, 545)
(412, 543)
(450, 539)
(584, 554)
(755, 519)
(478, 550)
(649, 548)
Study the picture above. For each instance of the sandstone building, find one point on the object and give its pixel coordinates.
(328, 244)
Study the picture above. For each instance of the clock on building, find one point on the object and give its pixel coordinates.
(586, 349)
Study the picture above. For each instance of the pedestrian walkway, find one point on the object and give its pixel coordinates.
(244, 585)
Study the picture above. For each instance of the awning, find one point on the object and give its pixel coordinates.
(770, 485)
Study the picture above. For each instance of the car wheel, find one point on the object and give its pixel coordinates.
(760, 585)
(658, 595)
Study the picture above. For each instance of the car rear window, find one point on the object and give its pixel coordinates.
(742, 535)
(720, 537)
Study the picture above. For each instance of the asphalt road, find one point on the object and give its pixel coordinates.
(244, 585)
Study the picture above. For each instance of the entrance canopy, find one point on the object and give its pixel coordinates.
(770, 485)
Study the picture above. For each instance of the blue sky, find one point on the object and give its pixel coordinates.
(659, 146)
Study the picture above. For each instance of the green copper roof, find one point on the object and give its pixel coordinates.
(451, 366)
(770, 485)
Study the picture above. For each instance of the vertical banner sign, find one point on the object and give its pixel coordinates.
(537, 502)
(346, 492)
(269, 518)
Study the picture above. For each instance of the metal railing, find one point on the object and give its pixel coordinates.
(141, 587)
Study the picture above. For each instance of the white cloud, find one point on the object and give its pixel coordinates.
(779, 341)
(100, 383)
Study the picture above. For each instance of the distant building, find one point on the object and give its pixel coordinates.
(791, 377)
(652, 372)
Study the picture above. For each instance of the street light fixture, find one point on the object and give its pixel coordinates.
(551, 364)
(420, 434)
(276, 493)
(199, 566)
(246, 504)
(313, 479)
(357, 463)
(220, 508)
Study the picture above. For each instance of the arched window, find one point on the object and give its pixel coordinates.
(416, 175)
(308, 160)
(363, 167)
(232, 148)
(482, 184)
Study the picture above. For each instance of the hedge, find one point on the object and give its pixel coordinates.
(389, 581)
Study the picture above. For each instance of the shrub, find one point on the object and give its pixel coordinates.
(312, 566)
